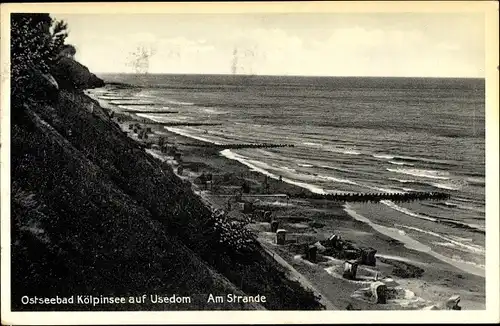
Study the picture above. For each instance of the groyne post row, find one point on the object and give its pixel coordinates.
(240, 146)
(376, 197)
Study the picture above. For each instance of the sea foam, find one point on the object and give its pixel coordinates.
(384, 156)
(400, 163)
(411, 243)
(187, 134)
(180, 103)
(469, 247)
(432, 174)
(406, 211)
(243, 160)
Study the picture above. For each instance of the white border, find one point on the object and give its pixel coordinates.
(491, 314)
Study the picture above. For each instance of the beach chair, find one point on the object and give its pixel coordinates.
(379, 292)
(368, 256)
(350, 269)
(280, 236)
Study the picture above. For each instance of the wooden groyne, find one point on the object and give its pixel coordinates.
(189, 124)
(124, 102)
(239, 146)
(148, 111)
(173, 124)
(376, 197)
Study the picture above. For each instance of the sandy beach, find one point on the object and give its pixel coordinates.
(415, 279)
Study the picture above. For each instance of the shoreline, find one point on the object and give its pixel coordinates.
(413, 244)
(408, 242)
(328, 218)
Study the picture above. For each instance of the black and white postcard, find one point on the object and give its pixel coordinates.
(317, 162)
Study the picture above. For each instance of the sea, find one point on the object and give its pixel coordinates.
(350, 134)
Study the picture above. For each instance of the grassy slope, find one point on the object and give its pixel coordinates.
(75, 232)
(92, 212)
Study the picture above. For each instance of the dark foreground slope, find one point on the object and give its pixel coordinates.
(75, 233)
(93, 213)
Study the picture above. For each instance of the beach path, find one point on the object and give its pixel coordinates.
(296, 276)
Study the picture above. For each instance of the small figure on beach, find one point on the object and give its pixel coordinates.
(203, 180)
(274, 226)
(245, 187)
(266, 185)
(311, 253)
(267, 216)
(237, 196)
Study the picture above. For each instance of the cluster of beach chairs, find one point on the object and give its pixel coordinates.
(142, 133)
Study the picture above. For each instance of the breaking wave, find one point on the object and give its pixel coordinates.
(180, 103)
(253, 166)
(384, 156)
(432, 174)
(400, 163)
(187, 134)
(406, 211)
(445, 186)
(472, 248)
(329, 148)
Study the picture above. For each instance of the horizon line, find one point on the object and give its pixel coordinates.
(264, 75)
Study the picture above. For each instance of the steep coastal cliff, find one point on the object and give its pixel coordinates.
(93, 214)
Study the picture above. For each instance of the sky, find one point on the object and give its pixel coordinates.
(309, 44)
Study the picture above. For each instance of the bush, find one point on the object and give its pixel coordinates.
(232, 234)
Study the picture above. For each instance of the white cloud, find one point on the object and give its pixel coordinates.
(342, 51)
